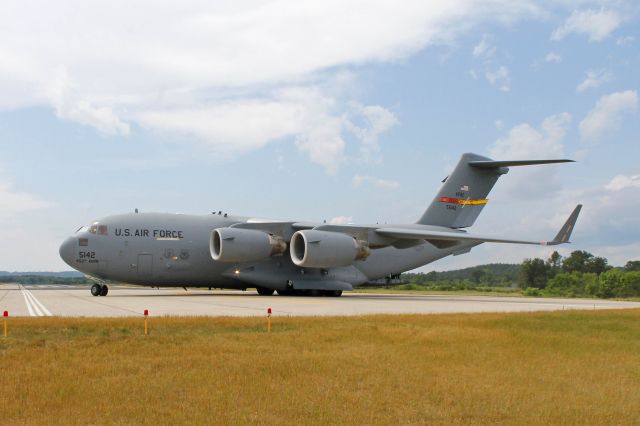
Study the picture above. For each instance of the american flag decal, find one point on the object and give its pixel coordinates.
(464, 188)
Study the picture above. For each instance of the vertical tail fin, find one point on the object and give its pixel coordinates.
(463, 195)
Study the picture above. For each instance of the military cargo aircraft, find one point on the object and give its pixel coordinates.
(293, 258)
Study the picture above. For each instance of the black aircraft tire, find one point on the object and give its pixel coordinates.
(96, 289)
(105, 290)
(264, 291)
(285, 292)
(336, 293)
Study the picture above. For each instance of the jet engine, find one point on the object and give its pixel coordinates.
(244, 245)
(323, 249)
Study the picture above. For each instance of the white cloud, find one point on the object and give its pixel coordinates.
(341, 220)
(592, 80)
(499, 77)
(597, 24)
(485, 53)
(377, 120)
(68, 107)
(316, 121)
(625, 41)
(524, 142)
(607, 114)
(171, 66)
(13, 202)
(360, 180)
(553, 57)
(610, 217)
(484, 48)
(621, 182)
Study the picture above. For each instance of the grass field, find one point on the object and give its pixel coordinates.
(561, 368)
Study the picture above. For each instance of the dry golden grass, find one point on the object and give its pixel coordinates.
(541, 368)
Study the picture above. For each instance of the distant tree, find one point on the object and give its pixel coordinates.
(533, 273)
(611, 285)
(632, 265)
(576, 261)
(569, 284)
(582, 261)
(477, 275)
(597, 265)
(555, 261)
(631, 281)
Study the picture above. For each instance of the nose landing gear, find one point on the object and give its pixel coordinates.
(98, 289)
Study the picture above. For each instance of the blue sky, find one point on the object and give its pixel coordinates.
(344, 111)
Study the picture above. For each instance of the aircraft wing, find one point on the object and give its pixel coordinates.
(440, 236)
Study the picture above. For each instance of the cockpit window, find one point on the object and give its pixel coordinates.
(102, 230)
(93, 228)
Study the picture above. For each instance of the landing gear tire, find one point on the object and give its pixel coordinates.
(96, 289)
(105, 290)
(335, 293)
(264, 291)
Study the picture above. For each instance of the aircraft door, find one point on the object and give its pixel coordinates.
(145, 264)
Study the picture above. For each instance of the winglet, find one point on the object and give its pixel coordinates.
(565, 232)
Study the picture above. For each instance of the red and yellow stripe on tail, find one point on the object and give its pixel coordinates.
(450, 200)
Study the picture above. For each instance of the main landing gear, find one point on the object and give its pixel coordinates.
(99, 289)
(264, 291)
(312, 293)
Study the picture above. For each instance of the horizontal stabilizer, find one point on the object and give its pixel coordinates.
(497, 164)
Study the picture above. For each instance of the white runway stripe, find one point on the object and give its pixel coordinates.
(27, 302)
(34, 306)
(38, 304)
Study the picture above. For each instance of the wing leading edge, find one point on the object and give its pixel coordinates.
(440, 236)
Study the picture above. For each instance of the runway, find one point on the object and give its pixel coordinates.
(76, 301)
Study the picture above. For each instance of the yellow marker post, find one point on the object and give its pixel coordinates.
(268, 320)
(146, 316)
(6, 314)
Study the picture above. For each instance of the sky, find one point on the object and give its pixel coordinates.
(345, 111)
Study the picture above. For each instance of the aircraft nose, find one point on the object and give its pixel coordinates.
(66, 250)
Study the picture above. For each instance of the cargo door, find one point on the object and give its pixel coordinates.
(145, 265)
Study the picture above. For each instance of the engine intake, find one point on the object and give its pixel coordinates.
(323, 249)
(244, 245)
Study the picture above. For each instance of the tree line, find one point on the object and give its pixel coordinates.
(581, 274)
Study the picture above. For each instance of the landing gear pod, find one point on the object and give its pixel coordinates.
(323, 249)
(244, 245)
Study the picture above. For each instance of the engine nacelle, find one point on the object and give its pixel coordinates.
(244, 245)
(323, 249)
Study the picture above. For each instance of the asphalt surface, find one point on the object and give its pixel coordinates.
(73, 301)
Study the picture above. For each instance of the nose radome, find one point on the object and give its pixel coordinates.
(66, 250)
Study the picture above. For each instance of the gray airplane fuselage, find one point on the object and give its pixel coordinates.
(220, 251)
(162, 249)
